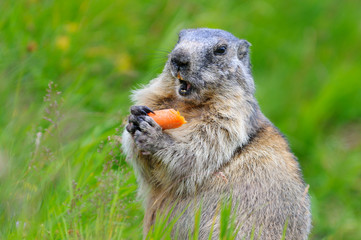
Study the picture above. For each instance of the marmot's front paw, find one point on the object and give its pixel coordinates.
(146, 132)
(133, 121)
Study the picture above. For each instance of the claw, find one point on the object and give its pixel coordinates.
(140, 110)
(130, 128)
(140, 118)
(133, 124)
(133, 119)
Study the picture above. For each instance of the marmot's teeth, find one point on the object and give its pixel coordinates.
(184, 88)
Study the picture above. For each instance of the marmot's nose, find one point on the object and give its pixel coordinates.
(180, 61)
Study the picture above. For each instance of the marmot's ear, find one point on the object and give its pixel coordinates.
(182, 33)
(243, 52)
(243, 48)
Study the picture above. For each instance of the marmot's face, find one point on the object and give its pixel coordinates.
(206, 60)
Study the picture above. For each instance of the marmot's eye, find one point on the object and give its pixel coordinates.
(220, 50)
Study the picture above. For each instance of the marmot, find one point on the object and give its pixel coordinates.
(227, 148)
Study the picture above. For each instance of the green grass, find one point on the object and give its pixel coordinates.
(62, 174)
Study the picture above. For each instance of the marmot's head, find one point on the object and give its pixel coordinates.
(206, 61)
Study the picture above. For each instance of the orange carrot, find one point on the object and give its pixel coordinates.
(168, 118)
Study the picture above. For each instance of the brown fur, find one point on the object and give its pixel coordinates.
(228, 149)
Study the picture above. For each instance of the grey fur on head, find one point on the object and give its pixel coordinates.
(198, 53)
(227, 148)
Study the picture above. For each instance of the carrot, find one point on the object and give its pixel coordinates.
(168, 118)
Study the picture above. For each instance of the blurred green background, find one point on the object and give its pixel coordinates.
(66, 72)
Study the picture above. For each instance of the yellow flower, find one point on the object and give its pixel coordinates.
(72, 27)
(62, 42)
(123, 62)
